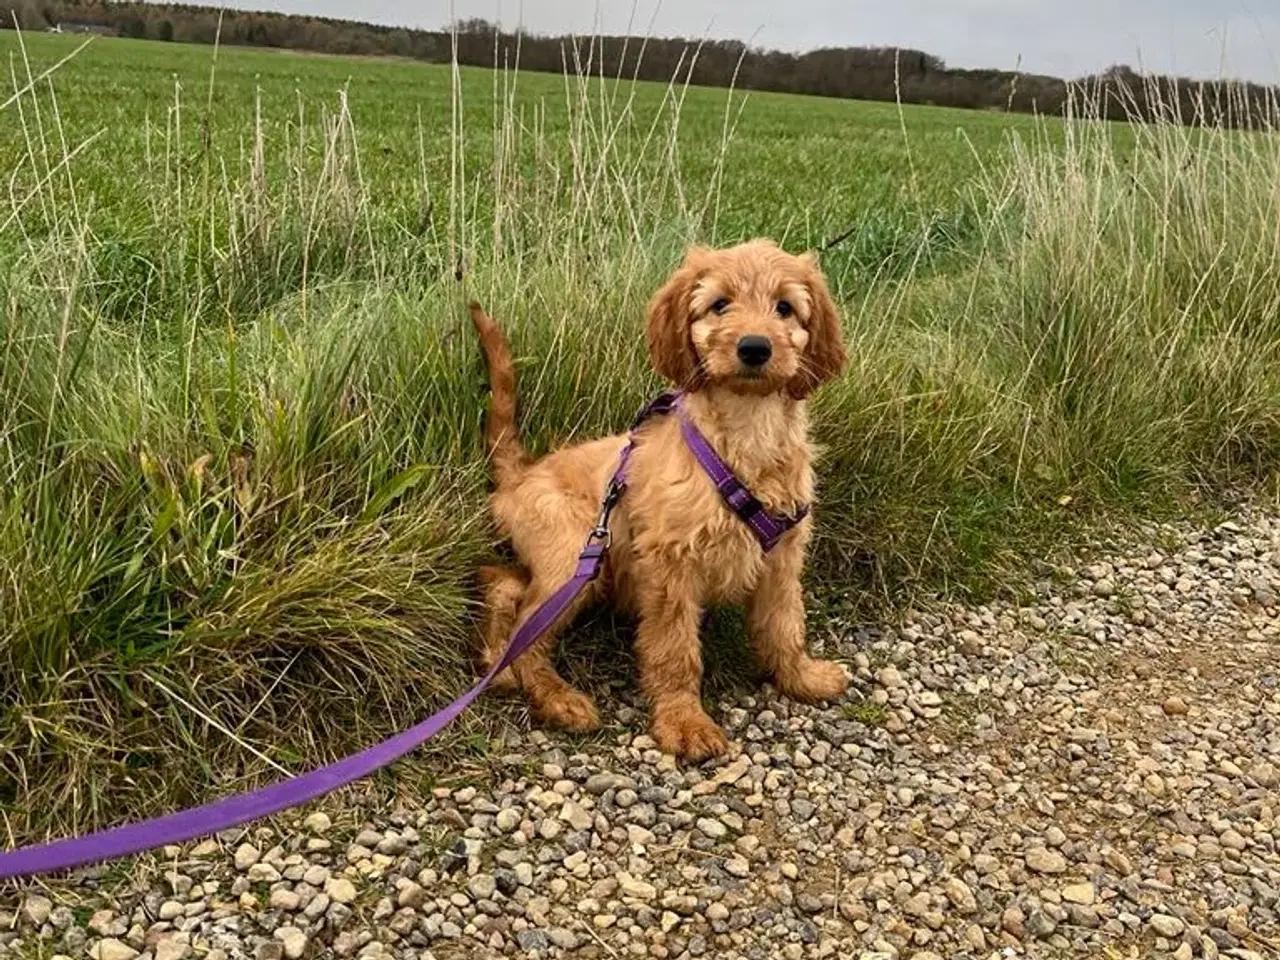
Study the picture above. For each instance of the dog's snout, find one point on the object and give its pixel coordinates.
(754, 350)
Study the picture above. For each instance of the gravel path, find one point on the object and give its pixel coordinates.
(1092, 773)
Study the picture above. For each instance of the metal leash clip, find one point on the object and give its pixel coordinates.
(600, 533)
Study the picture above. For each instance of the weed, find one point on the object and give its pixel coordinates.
(866, 712)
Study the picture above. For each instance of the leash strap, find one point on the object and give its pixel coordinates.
(134, 838)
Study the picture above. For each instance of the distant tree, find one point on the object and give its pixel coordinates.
(25, 13)
(132, 25)
(867, 73)
(476, 25)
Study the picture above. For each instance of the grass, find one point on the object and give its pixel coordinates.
(241, 485)
(865, 712)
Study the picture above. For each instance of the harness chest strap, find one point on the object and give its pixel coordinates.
(768, 527)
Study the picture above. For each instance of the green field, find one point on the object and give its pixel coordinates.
(242, 488)
(799, 168)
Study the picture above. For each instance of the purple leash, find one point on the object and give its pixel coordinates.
(240, 808)
(234, 810)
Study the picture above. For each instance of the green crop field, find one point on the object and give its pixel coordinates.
(241, 484)
(801, 168)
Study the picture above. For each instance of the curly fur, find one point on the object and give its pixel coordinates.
(676, 547)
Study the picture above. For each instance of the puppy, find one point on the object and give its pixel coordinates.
(748, 333)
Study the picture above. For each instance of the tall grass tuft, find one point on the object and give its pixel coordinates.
(241, 488)
(1110, 347)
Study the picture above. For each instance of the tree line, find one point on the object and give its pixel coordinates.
(862, 73)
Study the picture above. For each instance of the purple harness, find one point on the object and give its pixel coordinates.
(237, 809)
(767, 527)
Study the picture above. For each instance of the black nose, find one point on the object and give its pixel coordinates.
(754, 351)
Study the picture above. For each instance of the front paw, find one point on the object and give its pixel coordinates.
(689, 733)
(813, 681)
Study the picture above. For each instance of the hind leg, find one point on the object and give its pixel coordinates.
(547, 515)
(504, 589)
(510, 599)
(551, 699)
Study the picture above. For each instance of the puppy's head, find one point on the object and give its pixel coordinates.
(751, 318)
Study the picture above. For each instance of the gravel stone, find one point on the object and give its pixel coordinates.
(1042, 860)
(961, 896)
(602, 783)
(36, 909)
(171, 948)
(1167, 926)
(293, 941)
(890, 678)
(532, 940)
(482, 886)
(246, 856)
(562, 938)
(1040, 924)
(340, 890)
(802, 810)
(577, 818)
(112, 949)
(629, 886)
(712, 829)
(1081, 893)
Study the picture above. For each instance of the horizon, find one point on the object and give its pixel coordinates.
(1197, 39)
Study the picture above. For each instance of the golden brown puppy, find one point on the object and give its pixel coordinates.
(749, 332)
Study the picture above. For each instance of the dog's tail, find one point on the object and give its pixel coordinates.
(505, 450)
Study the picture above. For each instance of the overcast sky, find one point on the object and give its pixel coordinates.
(1069, 38)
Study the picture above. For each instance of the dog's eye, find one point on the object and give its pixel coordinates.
(785, 309)
(720, 306)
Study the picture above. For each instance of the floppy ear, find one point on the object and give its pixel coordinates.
(670, 347)
(824, 355)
